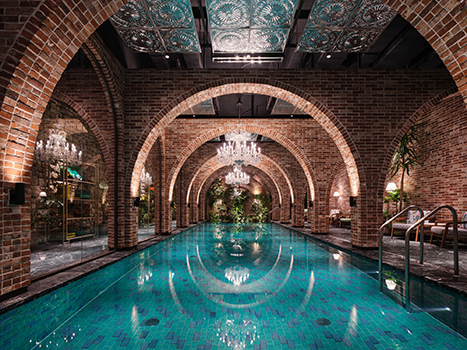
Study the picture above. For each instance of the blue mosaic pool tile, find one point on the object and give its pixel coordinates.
(195, 317)
(401, 338)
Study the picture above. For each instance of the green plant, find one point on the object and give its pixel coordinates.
(406, 156)
(393, 197)
(260, 208)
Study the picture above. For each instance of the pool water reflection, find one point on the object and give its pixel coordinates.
(253, 286)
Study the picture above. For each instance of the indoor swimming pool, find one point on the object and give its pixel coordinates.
(232, 286)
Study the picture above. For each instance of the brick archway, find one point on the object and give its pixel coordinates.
(213, 165)
(212, 170)
(248, 85)
(173, 173)
(275, 192)
(79, 109)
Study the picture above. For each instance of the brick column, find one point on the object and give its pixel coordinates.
(285, 210)
(298, 213)
(320, 221)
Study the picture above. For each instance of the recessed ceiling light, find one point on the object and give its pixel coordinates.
(328, 56)
(167, 56)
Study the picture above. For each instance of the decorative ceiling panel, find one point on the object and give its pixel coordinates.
(254, 26)
(203, 108)
(157, 26)
(284, 108)
(344, 25)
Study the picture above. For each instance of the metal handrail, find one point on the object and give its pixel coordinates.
(407, 251)
(407, 246)
(380, 260)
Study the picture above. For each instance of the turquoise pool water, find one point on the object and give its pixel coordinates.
(225, 287)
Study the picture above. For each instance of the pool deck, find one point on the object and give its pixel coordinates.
(438, 262)
(438, 266)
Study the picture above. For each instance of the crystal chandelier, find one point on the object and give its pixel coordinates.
(146, 179)
(57, 148)
(237, 151)
(237, 177)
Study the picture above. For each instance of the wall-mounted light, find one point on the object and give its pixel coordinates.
(353, 201)
(17, 195)
(336, 194)
(391, 187)
(42, 194)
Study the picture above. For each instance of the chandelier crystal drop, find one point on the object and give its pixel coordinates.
(237, 177)
(237, 151)
(57, 148)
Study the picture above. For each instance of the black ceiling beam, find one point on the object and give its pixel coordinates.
(392, 45)
(422, 57)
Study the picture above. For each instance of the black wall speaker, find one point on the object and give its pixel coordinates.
(310, 204)
(353, 201)
(136, 201)
(17, 196)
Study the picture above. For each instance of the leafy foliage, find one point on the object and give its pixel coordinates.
(406, 154)
(230, 205)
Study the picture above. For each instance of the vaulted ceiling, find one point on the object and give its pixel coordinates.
(263, 34)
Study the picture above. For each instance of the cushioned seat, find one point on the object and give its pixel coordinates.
(439, 230)
(412, 217)
(447, 230)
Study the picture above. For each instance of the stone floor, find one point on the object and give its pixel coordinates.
(52, 256)
(438, 262)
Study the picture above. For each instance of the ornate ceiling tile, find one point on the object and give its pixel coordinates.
(372, 14)
(228, 13)
(230, 40)
(356, 41)
(318, 40)
(132, 15)
(344, 25)
(181, 40)
(273, 13)
(330, 14)
(256, 26)
(171, 13)
(142, 40)
(268, 40)
(157, 26)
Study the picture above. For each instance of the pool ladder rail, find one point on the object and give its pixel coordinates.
(407, 245)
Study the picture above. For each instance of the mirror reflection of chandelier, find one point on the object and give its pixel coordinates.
(57, 148)
(237, 275)
(237, 176)
(237, 151)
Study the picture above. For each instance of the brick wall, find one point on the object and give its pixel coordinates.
(442, 176)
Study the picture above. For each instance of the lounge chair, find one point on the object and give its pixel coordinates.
(412, 217)
(444, 229)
